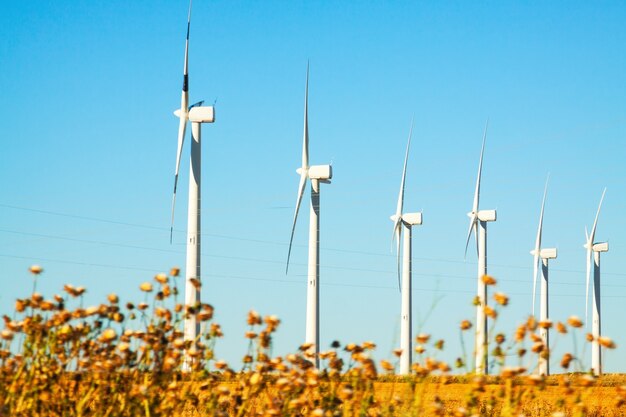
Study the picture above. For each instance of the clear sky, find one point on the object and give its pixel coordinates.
(89, 141)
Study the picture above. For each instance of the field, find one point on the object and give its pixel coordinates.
(132, 360)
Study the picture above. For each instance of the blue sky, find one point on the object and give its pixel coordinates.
(89, 144)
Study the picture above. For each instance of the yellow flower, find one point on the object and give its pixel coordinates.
(146, 287)
(466, 324)
(574, 322)
(35, 269)
(606, 342)
(488, 280)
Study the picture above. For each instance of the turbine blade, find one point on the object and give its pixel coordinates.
(469, 232)
(480, 169)
(595, 222)
(402, 183)
(184, 103)
(303, 177)
(538, 243)
(305, 138)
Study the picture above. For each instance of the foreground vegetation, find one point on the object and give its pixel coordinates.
(58, 358)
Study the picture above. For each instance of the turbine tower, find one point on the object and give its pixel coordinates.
(405, 221)
(593, 251)
(478, 224)
(544, 255)
(196, 114)
(318, 174)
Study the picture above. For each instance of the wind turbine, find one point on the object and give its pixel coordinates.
(318, 174)
(544, 255)
(478, 224)
(405, 221)
(593, 251)
(196, 114)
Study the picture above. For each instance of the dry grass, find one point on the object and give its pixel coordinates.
(58, 358)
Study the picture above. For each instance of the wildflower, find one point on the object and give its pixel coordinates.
(175, 271)
(142, 306)
(466, 325)
(255, 378)
(490, 312)
(369, 345)
(113, 299)
(161, 278)
(271, 322)
(520, 333)
(501, 298)
(476, 301)
(253, 318)
(606, 342)
(560, 327)
(488, 280)
(318, 412)
(420, 349)
(335, 344)
(108, 335)
(397, 352)
(35, 269)
(422, 338)
(565, 361)
(537, 347)
(146, 287)
(20, 306)
(6, 334)
(459, 363)
(574, 321)
(531, 323)
(545, 324)
(439, 344)
(386, 365)
(443, 367)
(251, 335)
(589, 337)
(521, 352)
(196, 283)
(500, 338)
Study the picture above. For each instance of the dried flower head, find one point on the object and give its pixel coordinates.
(501, 298)
(606, 342)
(35, 269)
(161, 278)
(488, 280)
(574, 321)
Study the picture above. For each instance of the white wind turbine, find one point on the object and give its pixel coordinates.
(405, 221)
(543, 254)
(478, 224)
(196, 114)
(593, 251)
(317, 174)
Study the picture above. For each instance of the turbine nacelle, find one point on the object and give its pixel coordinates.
(601, 247)
(409, 219)
(548, 253)
(198, 114)
(322, 173)
(483, 215)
